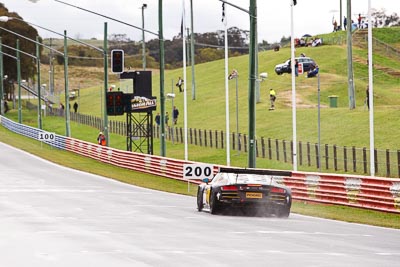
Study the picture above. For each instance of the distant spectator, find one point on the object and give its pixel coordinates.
(316, 42)
(157, 119)
(345, 23)
(334, 25)
(272, 98)
(179, 84)
(61, 111)
(166, 118)
(367, 96)
(76, 107)
(101, 139)
(234, 74)
(175, 115)
(359, 19)
(313, 71)
(6, 108)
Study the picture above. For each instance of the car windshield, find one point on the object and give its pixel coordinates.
(245, 178)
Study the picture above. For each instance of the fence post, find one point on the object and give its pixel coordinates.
(345, 158)
(365, 163)
(263, 147)
(270, 151)
(316, 157)
(200, 138)
(222, 140)
(387, 163)
(291, 151)
(300, 153)
(257, 154)
(216, 139)
(277, 149)
(326, 156)
(211, 139)
(376, 160)
(335, 165)
(233, 141)
(245, 142)
(284, 151)
(354, 159)
(239, 142)
(195, 136)
(205, 138)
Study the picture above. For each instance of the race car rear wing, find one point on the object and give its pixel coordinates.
(255, 171)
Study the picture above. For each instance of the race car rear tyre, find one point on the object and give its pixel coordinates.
(214, 204)
(283, 212)
(200, 203)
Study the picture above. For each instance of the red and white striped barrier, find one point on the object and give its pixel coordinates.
(375, 193)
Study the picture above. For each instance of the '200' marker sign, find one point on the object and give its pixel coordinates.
(198, 171)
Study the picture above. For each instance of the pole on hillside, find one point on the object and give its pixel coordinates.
(67, 126)
(352, 103)
(371, 93)
(38, 83)
(19, 83)
(252, 85)
(292, 61)
(227, 120)
(192, 51)
(1, 79)
(105, 63)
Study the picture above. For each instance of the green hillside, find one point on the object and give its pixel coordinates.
(340, 126)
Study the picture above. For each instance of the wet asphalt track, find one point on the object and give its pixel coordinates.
(54, 216)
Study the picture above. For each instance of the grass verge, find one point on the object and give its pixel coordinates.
(74, 161)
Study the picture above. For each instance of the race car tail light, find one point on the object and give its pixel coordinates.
(278, 190)
(229, 188)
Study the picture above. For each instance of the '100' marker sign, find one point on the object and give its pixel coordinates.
(46, 136)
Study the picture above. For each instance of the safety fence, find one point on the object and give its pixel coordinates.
(375, 193)
(321, 157)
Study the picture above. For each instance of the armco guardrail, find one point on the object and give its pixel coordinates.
(375, 193)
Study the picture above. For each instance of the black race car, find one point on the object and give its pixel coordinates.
(252, 190)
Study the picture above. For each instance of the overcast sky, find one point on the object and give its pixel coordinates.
(310, 16)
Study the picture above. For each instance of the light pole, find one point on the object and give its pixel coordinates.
(352, 103)
(292, 3)
(192, 51)
(371, 93)
(228, 148)
(235, 75)
(144, 6)
(1, 80)
(252, 79)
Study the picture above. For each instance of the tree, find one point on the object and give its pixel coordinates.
(28, 65)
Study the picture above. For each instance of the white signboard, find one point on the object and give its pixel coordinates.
(198, 171)
(46, 136)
